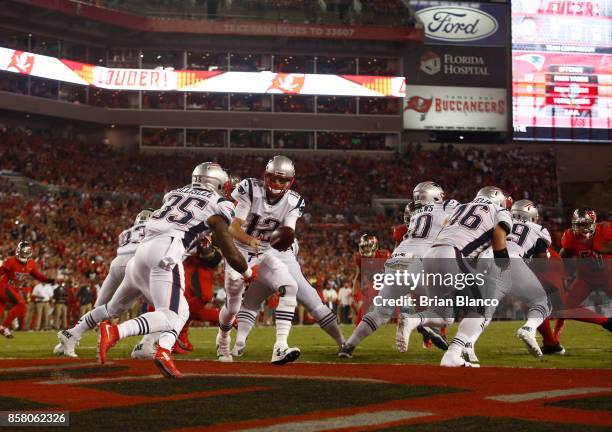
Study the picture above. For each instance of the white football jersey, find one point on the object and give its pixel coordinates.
(523, 239)
(470, 227)
(130, 238)
(425, 225)
(261, 216)
(185, 212)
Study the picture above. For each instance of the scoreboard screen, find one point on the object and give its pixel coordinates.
(562, 70)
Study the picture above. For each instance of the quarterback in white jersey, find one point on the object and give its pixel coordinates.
(428, 214)
(156, 271)
(307, 295)
(128, 240)
(471, 228)
(262, 207)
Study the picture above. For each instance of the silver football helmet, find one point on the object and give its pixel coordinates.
(143, 216)
(525, 210)
(209, 175)
(408, 212)
(495, 194)
(428, 192)
(279, 175)
(584, 222)
(24, 251)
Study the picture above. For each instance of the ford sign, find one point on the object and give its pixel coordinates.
(457, 24)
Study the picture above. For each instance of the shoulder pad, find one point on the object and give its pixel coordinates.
(293, 198)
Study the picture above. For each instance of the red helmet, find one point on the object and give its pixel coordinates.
(279, 175)
(583, 222)
(230, 185)
(368, 245)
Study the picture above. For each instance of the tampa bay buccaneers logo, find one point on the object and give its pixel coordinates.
(287, 83)
(21, 62)
(420, 105)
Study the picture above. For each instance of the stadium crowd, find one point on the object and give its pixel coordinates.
(83, 194)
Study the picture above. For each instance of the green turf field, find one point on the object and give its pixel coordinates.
(587, 345)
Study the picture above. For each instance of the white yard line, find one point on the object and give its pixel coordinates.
(549, 394)
(187, 375)
(49, 367)
(334, 423)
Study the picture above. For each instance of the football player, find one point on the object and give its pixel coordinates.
(368, 250)
(307, 295)
(157, 272)
(590, 245)
(200, 266)
(471, 228)
(262, 207)
(128, 241)
(527, 240)
(426, 217)
(21, 263)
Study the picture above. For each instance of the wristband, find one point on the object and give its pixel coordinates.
(248, 273)
(501, 253)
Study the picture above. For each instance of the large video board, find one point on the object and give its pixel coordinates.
(562, 70)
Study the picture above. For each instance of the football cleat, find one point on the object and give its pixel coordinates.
(281, 356)
(346, 351)
(6, 332)
(223, 347)
(453, 359)
(402, 333)
(68, 342)
(58, 349)
(163, 361)
(176, 349)
(143, 351)
(184, 342)
(469, 354)
(527, 335)
(109, 336)
(608, 325)
(434, 336)
(238, 350)
(553, 349)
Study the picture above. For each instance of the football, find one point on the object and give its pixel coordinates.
(282, 238)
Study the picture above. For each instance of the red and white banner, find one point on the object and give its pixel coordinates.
(455, 108)
(199, 81)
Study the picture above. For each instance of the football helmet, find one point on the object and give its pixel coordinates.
(24, 251)
(368, 245)
(583, 222)
(495, 194)
(410, 207)
(231, 185)
(525, 210)
(279, 175)
(210, 176)
(143, 216)
(428, 192)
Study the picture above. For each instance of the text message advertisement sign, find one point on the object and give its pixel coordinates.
(455, 108)
(458, 66)
(462, 23)
(562, 70)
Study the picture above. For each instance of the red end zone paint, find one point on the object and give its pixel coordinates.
(477, 383)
